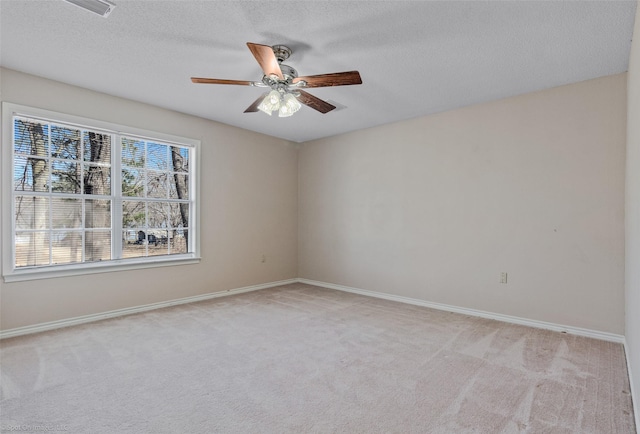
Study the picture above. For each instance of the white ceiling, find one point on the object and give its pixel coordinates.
(415, 57)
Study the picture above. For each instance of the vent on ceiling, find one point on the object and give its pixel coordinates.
(100, 7)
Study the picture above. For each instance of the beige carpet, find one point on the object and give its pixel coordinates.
(303, 359)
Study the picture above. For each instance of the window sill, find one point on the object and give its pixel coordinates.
(105, 267)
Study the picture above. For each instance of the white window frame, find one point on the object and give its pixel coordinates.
(12, 274)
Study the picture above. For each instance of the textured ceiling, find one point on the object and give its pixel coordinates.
(415, 57)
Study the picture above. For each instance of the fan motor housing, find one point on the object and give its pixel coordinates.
(288, 72)
(274, 82)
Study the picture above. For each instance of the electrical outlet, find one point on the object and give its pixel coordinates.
(264, 259)
(503, 277)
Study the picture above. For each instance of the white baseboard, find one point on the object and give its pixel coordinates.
(634, 397)
(19, 331)
(612, 337)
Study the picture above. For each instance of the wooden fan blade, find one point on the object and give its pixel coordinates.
(220, 81)
(267, 60)
(254, 107)
(314, 102)
(334, 79)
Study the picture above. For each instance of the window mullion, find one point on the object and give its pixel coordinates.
(83, 200)
(117, 230)
(83, 226)
(193, 200)
(50, 190)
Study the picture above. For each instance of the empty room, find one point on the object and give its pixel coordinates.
(320, 217)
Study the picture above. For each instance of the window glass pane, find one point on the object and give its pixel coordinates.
(179, 159)
(32, 212)
(97, 246)
(22, 174)
(129, 236)
(65, 142)
(179, 241)
(66, 247)
(97, 179)
(132, 182)
(133, 214)
(97, 147)
(179, 186)
(97, 213)
(133, 153)
(157, 156)
(32, 248)
(30, 137)
(179, 215)
(157, 243)
(66, 213)
(40, 174)
(156, 184)
(158, 217)
(31, 174)
(65, 176)
(134, 244)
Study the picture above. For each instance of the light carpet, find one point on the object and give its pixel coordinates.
(303, 359)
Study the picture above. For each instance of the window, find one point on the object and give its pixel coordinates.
(81, 195)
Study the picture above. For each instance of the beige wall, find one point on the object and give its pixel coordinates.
(435, 208)
(248, 208)
(432, 208)
(632, 269)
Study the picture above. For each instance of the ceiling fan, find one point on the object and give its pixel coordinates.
(286, 86)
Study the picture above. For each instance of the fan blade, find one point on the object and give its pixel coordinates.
(220, 81)
(314, 102)
(254, 107)
(267, 60)
(334, 79)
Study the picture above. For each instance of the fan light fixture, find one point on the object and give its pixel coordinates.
(285, 103)
(100, 7)
(286, 94)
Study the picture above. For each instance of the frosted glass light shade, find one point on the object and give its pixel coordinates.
(271, 102)
(290, 106)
